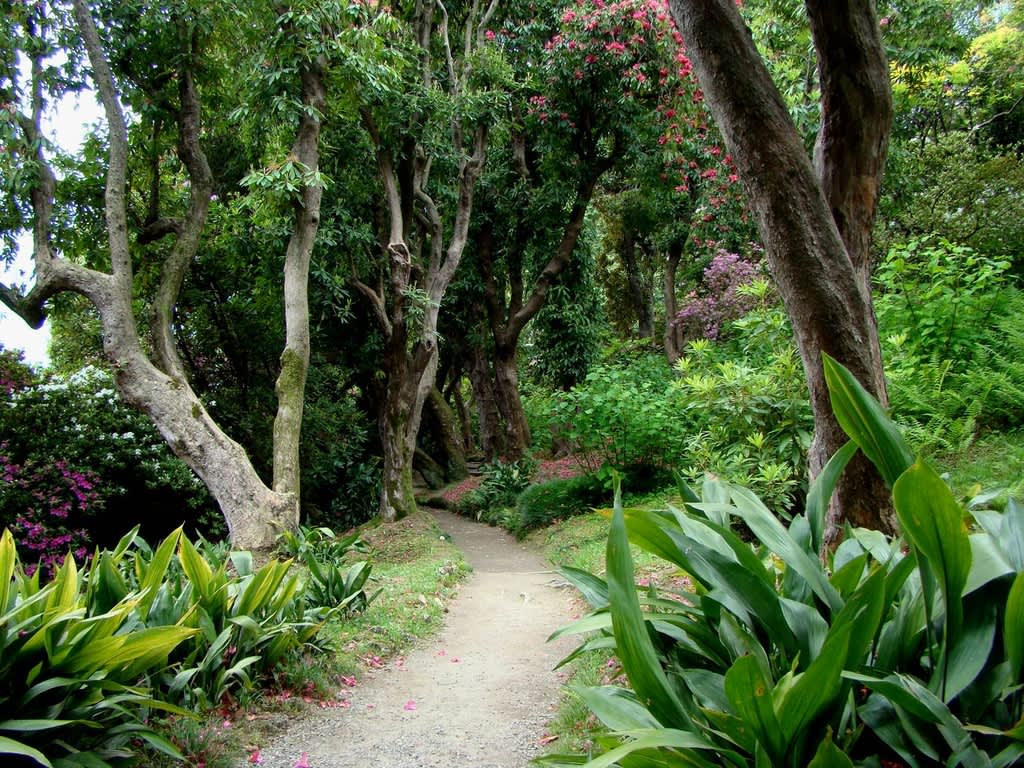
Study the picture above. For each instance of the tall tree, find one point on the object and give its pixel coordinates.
(149, 370)
(815, 218)
(425, 220)
(596, 77)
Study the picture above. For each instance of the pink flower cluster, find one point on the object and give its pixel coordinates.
(454, 494)
(54, 499)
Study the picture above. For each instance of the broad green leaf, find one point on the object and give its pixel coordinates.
(149, 583)
(933, 523)
(829, 755)
(617, 708)
(195, 567)
(633, 642)
(1012, 539)
(12, 747)
(8, 556)
(773, 535)
(821, 490)
(969, 654)
(865, 421)
(750, 694)
(1013, 628)
(814, 690)
(911, 695)
(655, 739)
(593, 588)
(987, 562)
(591, 623)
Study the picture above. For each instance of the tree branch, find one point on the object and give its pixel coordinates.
(380, 313)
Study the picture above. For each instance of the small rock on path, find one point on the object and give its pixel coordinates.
(477, 695)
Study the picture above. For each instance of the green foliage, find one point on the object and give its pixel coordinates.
(622, 415)
(540, 505)
(942, 296)
(502, 482)
(72, 661)
(949, 322)
(884, 653)
(80, 459)
(736, 408)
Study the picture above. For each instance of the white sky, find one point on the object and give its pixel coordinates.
(66, 125)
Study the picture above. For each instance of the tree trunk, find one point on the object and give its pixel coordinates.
(822, 289)
(492, 437)
(397, 499)
(639, 294)
(445, 426)
(510, 404)
(465, 419)
(160, 390)
(673, 338)
(290, 386)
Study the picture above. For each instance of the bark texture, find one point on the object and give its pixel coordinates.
(291, 381)
(156, 386)
(808, 218)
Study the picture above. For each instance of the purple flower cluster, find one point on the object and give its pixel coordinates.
(703, 315)
(55, 500)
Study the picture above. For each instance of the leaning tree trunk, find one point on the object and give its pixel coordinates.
(822, 289)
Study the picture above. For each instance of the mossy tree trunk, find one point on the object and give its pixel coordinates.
(156, 383)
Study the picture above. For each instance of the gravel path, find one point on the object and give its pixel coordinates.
(476, 696)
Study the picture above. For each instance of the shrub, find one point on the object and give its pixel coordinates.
(502, 482)
(540, 505)
(622, 415)
(705, 316)
(72, 666)
(949, 319)
(66, 431)
(896, 652)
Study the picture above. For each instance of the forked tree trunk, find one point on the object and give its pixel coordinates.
(817, 270)
(639, 293)
(446, 428)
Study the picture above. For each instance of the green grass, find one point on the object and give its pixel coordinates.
(993, 461)
(417, 571)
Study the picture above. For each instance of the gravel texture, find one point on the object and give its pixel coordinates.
(478, 695)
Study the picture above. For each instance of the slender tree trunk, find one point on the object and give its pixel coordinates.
(160, 390)
(822, 289)
(673, 342)
(291, 381)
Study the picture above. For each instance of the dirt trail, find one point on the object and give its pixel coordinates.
(478, 695)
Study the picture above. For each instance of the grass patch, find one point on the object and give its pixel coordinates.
(993, 461)
(418, 571)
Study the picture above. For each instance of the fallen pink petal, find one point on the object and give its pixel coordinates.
(256, 758)
(410, 705)
(303, 761)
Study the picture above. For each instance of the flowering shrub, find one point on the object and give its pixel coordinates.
(58, 503)
(721, 298)
(78, 465)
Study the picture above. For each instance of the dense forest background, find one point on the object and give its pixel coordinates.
(521, 233)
